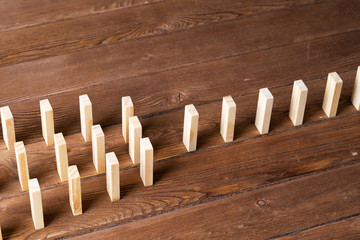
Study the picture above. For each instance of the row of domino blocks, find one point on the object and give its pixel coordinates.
(264, 108)
(140, 149)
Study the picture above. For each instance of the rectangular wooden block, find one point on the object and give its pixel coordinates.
(1, 238)
(36, 203)
(355, 98)
(127, 112)
(298, 102)
(22, 165)
(135, 134)
(112, 176)
(8, 127)
(62, 162)
(146, 161)
(75, 190)
(332, 94)
(98, 148)
(47, 122)
(228, 115)
(263, 111)
(191, 123)
(86, 117)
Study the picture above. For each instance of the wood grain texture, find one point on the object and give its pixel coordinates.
(113, 27)
(234, 76)
(165, 132)
(39, 12)
(259, 214)
(243, 166)
(347, 228)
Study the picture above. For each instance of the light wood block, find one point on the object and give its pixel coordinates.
(98, 148)
(62, 162)
(8, 127)
(112, 176)
(36, 203)
(22, 165)
(1, 238)
(86, 117)
(191, 123)
(263, 111)
(127, 112)
(332, 94)
(47, 122)
(135, 134)
(298, 102)
(75, 190)
(228, 115)
(146, 161)
(355, 99)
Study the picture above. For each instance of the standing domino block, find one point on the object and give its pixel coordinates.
(47, 122)
(355, 99)
(1, 238)
(98, 148)
(61, 156)
(86, 117)
(36, 203)
(112, 176)
(228, 114)
(135, 134)
(263, 111)
(298, 102)
(127, 112)
(8, 127)
(191, 123)
(332, 94)
(75, 190)
(146, 161)
(22, 165)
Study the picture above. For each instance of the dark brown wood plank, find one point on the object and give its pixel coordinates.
(165, 132)
(232, 76)
(347, 228)
(17, 14)
(258, 214)
(113, 27)
(193, 178)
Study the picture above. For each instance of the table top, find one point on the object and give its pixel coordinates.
(294, 182)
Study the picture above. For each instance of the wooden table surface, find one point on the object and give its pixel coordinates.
(293, 183)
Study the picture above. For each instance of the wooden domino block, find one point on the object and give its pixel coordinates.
(355, 99)
(22, 165)
(332, 94)
(36, 203)
(98, 148)
(1, 238)
(263, 111)
(228, 115)
(86, 117)
(191, 123)
(135, 134)
(146, 161)
(8, 127)
(112, 176)
(61, 156)
(127, 112)
(298, 102)
(75, 190)
(47, 122)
